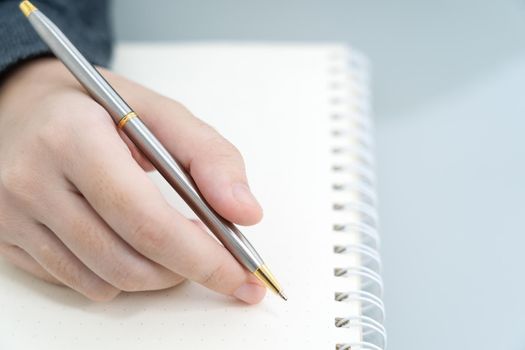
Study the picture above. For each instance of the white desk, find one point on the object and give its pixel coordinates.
(452, 189)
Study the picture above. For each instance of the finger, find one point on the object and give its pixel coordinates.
(82, 230)
(214, 163)
(137, 154)
(123, 195)
(63, 265)
(19, 258)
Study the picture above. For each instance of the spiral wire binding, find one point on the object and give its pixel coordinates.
(356, 201)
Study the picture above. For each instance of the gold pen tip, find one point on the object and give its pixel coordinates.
(264, 274)
(27, 8)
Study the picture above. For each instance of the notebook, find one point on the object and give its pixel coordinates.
(300, 116)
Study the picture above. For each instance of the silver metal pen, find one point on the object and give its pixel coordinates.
(129, 122)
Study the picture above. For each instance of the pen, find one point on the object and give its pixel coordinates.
(130, 123)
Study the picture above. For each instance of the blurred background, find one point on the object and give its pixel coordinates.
(449, 101)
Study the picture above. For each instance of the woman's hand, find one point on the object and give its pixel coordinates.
(76, 204)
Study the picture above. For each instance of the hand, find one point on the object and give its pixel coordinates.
(77, 207)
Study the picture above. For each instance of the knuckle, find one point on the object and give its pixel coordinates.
(64, 269)
(150, 234)
(10, 177)
(58, 131)
(55, 134)
(218, 147)
(17, 182)
(179, 109)
(60, 265)
(88, 233)
(211, 137)
(57, 144)
(128, 279)
(96, 113)
(141, 278)
(122, 275)
(215, 276)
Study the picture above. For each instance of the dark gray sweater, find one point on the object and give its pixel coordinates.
(85, 22)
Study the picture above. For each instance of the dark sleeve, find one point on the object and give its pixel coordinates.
(85, 23)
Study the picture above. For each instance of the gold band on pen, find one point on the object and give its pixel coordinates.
(125, 119)
(27, 8)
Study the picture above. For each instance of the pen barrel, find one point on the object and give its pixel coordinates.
(174, 173)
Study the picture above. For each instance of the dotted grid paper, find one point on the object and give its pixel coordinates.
(275, 103)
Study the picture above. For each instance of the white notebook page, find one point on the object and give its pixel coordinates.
(274, 102)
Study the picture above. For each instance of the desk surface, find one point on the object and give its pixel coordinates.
(452, 189)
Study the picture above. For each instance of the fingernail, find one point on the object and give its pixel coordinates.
(250, 293)
(242, 194)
